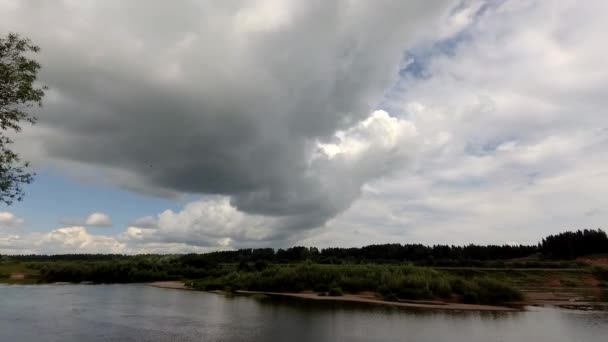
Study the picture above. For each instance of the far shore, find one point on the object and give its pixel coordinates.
(175, 285)
(365, 297)
(533, 299)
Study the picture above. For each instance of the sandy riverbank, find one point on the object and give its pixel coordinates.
(174, 285)
(532, 299)
(370, 299)
(366, 297)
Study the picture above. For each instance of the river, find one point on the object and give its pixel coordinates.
(143, 313)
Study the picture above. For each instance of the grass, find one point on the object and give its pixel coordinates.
(9, 268)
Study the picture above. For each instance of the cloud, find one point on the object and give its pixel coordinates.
(145, 222)
(76, 239)
(9, 220)
(96, 219)
(228, 99)
(210, 222)
(511, 115)
(299, 132)
(62, 240)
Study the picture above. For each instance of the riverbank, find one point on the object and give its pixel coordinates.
(370, 298)
(364, 297)
(174, 285)
(546, 298)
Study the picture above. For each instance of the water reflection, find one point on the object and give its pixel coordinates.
(141, 313)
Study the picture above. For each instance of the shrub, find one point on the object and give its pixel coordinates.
(335, 292)
(441, 287)
(492, 291)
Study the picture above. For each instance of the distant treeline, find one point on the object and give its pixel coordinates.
(239, 268)
(386, 253)
(563, 246)
(569, 245)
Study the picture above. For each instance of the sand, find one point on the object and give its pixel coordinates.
(364, 297)
(175, 285)
(533, 298)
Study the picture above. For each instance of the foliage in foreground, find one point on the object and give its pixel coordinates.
(17, 93)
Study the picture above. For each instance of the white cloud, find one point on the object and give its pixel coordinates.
(98, 220)
(9, 220)
(209, 222)
(78, 240)
(512, 114)
(62, 240)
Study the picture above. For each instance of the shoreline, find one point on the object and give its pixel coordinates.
(369, 298)
(354, 298)
(357, 298)
(170, 284)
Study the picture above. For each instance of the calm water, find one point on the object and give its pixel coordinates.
(143, 313)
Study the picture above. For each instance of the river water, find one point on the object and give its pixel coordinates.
(144, 313)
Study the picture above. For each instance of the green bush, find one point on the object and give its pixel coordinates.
(492, 291)
(335, 292)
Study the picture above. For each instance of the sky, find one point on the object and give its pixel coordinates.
(193, 126)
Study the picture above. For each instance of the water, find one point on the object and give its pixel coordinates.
(143, 313)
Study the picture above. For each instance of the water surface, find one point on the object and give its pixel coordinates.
(144, 313)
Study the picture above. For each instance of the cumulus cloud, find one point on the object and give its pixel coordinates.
(76, 239)
(96, 219)
(206, 223)
(145, 222)
(62, 240)
(10, 220)
(218, 98)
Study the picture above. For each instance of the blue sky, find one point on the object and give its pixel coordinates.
(53, 197)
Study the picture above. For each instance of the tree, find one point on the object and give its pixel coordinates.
(18, 93)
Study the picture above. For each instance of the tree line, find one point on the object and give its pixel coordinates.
(563, 246)
(569, 245)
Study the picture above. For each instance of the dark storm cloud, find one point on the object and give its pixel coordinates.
(220, 97)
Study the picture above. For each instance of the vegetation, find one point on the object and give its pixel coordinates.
(555, 251)
(392, 271)
(392, 282)
(17, 93)
(569, 245)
